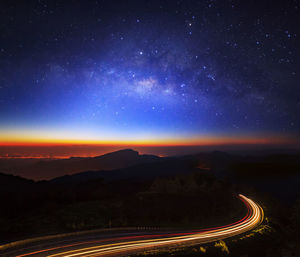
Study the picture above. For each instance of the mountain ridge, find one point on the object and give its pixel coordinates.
(49, 169)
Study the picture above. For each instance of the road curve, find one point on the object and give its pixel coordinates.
(125, 245)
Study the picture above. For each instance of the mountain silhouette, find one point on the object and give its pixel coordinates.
(49, 169)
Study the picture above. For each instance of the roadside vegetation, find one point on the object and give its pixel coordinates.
(277, 236)
(194, 200)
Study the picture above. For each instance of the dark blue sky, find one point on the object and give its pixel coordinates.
(149, 70)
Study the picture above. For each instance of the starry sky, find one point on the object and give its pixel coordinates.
(161, 72)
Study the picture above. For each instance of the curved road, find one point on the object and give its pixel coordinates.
(125, 244)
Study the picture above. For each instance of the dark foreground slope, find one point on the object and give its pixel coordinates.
(190, 191)
(153, 194)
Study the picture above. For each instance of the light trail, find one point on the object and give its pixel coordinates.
(133, 244)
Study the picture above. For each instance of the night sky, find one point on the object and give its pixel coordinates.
(149, 71)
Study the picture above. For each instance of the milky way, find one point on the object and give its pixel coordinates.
(138, 68)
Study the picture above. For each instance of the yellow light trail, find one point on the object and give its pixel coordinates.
(254, 218)
(202, 237)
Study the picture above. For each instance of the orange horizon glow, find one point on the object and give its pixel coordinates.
(67, 137)
(56, 137)
(38, 148)
(201, 141)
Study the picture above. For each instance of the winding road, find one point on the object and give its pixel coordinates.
(126, 243)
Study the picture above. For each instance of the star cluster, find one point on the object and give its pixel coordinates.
(180, 68)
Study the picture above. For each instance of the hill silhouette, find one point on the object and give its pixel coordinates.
(49, 169)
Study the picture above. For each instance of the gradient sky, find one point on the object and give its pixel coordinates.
(160, 72)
